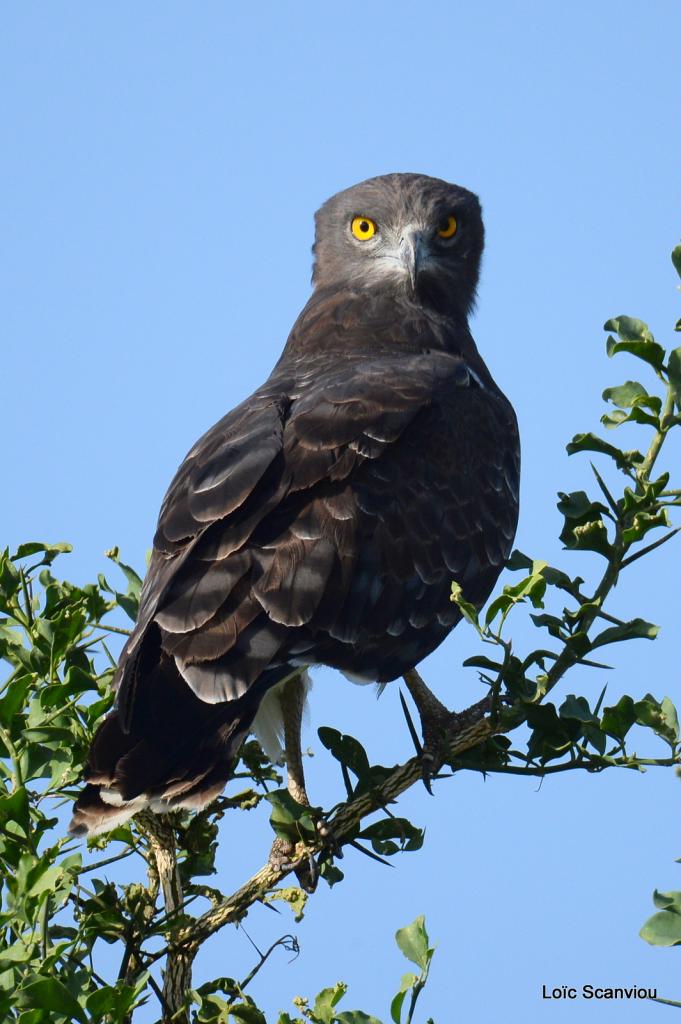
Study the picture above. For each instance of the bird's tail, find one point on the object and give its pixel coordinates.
(178, 751)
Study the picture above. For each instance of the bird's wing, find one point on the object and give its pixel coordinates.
(434, 486)
(231, 477)
(264, 528)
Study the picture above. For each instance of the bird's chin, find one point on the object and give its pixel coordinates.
(435, 291)
(393, 272)
(424, 285)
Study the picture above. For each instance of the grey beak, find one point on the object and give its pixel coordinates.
(412, 254)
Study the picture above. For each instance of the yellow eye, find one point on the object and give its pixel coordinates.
(447, 228)
(363, 228)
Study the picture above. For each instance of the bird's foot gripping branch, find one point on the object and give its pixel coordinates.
(63, 902)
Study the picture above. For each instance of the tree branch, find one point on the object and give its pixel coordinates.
(177, 977)
(342, 826)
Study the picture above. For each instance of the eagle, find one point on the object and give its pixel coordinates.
(323, 520)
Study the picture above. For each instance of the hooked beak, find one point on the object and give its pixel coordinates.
(413, 254)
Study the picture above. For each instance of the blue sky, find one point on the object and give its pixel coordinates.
(162, 165)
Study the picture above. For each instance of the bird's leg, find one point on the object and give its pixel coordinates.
(292, 700)
(439, 725)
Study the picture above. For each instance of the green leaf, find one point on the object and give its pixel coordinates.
(289, 818)
(10, 579)
(577, 708)
(629, 328)
(636, 338)
(326, 1000)
(295, 897)
(129, 604)
(383, 833)
(618, 720)
(480, 661)
(635, 629)
(396, 1007)
(610, 420)
(590, 535)
(554, 624)
(667, 900)
(15, 695)
(27, 1017)
(134, 581)
(228, 986)
(532, 587)
(42, 878)
(408, 981)
(413, 942)
(519, 561)
(560, 579)
(102, 1001)
(551, 735)
(670, 719)
(661, 717)
(118, 999)
(468, 610)
(676, 259)
(50, 994)
(330, 873)
(50, 551)
(593, 443)
(584, 528)
(15, 808)
(247, 1013)
(345, 749)
(643, 522)
(130, 601)
(356, 1017)
(662, 929)
(674, 372)
(578, 505)
(650, 490)
(630, 394)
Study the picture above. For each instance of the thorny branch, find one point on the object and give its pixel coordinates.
(342, 826)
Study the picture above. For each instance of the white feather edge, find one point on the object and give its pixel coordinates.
(268, 724)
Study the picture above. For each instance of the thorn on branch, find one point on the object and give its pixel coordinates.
(410, 725)
(347, 781)
(651, 547)
(606, 493)
(369, 853)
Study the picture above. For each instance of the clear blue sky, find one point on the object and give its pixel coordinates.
(161, 166)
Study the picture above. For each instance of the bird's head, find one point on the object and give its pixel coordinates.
(407, 233)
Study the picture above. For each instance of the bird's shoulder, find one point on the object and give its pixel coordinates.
(354, 373)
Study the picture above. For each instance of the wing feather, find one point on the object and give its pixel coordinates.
(309, 521)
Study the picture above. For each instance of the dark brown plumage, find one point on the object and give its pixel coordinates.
(323, 519)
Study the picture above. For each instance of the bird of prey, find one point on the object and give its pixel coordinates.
(323, 520)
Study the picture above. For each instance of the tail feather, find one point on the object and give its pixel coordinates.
(147, 776)
(92, 814)
(178, 752)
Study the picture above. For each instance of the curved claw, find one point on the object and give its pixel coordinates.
(440, 728)
(305, 867)
(428, 770)
(307, 873)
